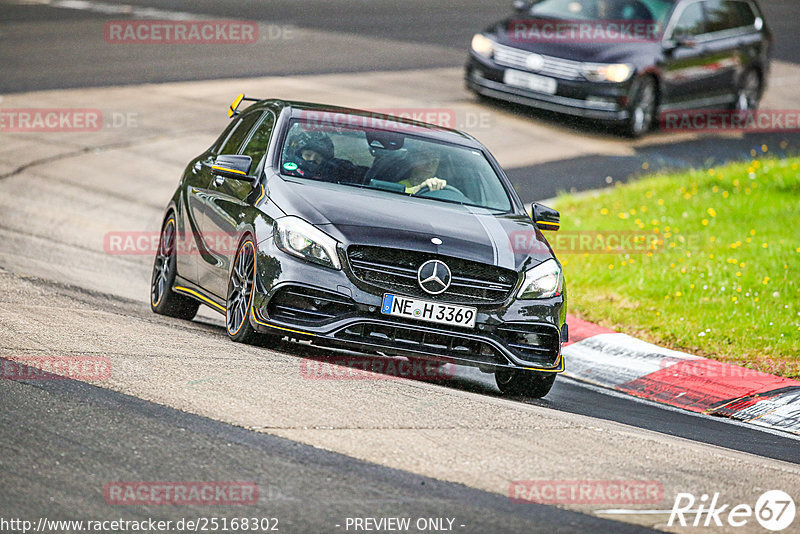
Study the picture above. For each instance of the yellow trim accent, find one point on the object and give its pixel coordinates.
(262, 195)
(200, 296)
(562, 367)
(218, 168)
(548, 223)
(278, 327)
(235, 104)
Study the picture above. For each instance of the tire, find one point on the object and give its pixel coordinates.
(644, 102)
(748, 94)
(163, 300)
(431, 369)
(522, 383)
(239, 302)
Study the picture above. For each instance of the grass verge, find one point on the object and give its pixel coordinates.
(704, 261)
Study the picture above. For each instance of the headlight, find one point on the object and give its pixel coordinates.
(614, 72)
(299, 238)
(542, 282)
(482, 45)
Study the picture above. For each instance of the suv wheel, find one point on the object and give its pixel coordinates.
(749, 93)
(643, 107)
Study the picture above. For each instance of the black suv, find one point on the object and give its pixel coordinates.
(624, 60)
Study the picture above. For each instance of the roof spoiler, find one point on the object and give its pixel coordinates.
(235, 104)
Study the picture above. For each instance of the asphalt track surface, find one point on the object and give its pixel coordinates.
(61, 440)
(58, 461)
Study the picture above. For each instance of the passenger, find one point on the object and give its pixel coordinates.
(309, 152)
(311, 155)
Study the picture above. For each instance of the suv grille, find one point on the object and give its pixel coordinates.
(553, 66)
(396, 270)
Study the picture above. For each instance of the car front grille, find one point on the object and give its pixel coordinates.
(553, 66)
(305, 306)
(404, 339)
(396, 270)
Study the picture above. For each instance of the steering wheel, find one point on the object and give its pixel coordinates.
(447, 188)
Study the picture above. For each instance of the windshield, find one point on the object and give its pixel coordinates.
(616, 10)
(391, 160)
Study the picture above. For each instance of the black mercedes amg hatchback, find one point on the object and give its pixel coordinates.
(624, 61)
(367, 232)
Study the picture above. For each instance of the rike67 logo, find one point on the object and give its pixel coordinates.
(774, 510)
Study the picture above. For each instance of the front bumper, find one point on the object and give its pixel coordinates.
(306, 301)
(581, 98)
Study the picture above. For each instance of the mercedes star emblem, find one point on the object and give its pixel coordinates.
(534, 61)
(434, 277)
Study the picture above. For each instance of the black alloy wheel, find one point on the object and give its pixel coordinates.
(163, 300)
(240, 294)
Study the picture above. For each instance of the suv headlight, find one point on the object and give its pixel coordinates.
(542, 282)
(602, 72)
(295, 236)
(482, 45)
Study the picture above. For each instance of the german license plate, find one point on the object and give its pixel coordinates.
(425, 310)
(534, 82)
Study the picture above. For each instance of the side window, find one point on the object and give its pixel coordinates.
(256, 146)
(224, 135)
(741, 13)
(691, 22)
(719, 17)
(238, 136)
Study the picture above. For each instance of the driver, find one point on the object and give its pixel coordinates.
(423, 173)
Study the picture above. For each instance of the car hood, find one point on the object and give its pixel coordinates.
(369, 217)
(621, 52)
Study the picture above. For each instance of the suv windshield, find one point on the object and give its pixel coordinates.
(392, 160)
(634, 10)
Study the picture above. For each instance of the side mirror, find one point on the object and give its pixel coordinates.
(234, 167)
(521, 6)
(545, 218)
(684, 41)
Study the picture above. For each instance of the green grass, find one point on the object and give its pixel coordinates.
(723, 280)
